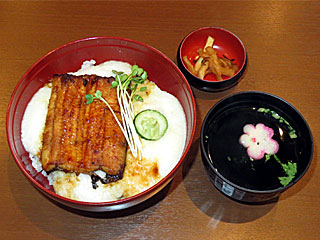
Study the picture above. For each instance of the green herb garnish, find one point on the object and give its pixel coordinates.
(143, 89)
(137, 97)
(127, 86)
(292, 133)
(290, 169)
(130, 82)
(267, 156)
(97, 95)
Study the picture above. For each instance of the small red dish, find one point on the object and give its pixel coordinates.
(68, 58)
(226, 44)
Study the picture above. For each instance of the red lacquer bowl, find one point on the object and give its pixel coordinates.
(226, 44)
(68, 58)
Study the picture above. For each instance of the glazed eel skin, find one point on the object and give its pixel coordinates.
(80, 137)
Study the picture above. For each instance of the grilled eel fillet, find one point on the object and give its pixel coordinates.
(80, 137)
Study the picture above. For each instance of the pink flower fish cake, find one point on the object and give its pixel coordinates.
(258, 141)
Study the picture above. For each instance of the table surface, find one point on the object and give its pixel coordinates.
(282, 41)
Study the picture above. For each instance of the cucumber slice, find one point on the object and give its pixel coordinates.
(150, 124)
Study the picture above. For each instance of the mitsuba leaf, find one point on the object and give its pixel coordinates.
(290, 169)
(285, 180)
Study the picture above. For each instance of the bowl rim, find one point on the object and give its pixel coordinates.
(149, 190)
(241, 69)
(206, 158)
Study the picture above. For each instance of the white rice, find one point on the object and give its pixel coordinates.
(103, 69)
(34, 119)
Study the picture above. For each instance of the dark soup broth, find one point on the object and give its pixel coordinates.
(231, 159)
